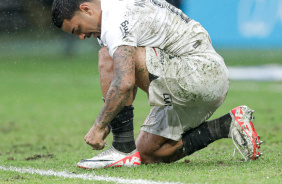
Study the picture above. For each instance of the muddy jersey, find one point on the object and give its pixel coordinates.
(150, 23)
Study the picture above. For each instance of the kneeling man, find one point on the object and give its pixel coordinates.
(153, 46)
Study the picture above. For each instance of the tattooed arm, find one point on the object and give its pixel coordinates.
(118, 94)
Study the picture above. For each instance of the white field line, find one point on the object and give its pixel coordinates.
(91, 177)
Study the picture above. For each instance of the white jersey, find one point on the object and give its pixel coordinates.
(186, 89)
(150, 23)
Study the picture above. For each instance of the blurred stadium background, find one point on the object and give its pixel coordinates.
(26, 29)
(244, 32)
(234, 25)
(239, 24)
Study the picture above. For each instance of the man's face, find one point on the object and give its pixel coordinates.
(84, 24)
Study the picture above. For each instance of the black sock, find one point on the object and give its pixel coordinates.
(208, 132)
(122, 128)
(124, 141)
(219, 128)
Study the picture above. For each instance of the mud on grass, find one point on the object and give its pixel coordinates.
(16, 178)
(39, 156)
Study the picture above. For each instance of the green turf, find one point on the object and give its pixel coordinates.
(48, 103)
(251, 57)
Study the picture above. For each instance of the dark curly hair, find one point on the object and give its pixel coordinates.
(65, 9)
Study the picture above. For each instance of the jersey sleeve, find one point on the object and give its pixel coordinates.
(101, 43)
(119, 28)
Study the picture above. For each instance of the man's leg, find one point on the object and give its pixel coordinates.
(122, 124)
(123, 151)
(237, 124)
(154, 148)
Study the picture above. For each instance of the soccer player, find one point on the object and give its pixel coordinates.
(151, 45)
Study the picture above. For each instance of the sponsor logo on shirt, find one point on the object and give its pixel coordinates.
(167, 99)
(124, 28)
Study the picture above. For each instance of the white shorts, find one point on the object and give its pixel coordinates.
(185, 90)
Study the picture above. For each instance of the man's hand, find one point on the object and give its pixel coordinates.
(95, 137)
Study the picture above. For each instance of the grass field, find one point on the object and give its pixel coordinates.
(48, 103)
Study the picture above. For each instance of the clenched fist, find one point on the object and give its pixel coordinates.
(96, 135)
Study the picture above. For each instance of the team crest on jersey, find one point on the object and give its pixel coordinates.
(124, 28)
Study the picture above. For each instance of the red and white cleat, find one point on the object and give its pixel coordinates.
(243, 133)
(111, 158)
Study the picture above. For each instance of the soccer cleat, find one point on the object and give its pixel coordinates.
(111, 158)
(243, 133)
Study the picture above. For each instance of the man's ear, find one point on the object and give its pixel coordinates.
(85, 8)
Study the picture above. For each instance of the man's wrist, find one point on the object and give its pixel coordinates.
(100, 125)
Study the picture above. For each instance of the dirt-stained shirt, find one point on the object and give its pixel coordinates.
(150, 23)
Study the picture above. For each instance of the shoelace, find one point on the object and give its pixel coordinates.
(237, 149)
(105, 152)
(107, 145)
(236, 146)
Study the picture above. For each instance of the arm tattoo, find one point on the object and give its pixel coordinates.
(122, 85)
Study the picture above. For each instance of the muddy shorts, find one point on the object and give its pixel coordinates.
(185, 91)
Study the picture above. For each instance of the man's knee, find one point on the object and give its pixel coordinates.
(147, 146)
(155, 149)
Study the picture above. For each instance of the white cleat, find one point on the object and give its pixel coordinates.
(111, 158)
(243, 133)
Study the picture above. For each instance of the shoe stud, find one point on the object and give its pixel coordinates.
(260, 142)
(251, 111)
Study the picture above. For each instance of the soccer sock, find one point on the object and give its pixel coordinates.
(219, 128)
(208, 132)
(122, 128)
